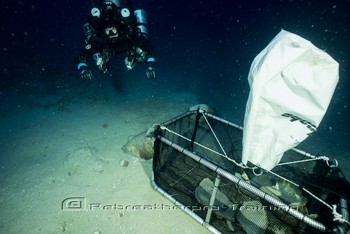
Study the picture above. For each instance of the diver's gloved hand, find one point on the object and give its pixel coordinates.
(150, 72)
(86, 74)
(84, 71)
(102, 61)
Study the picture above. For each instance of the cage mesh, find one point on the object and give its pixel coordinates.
(235, 210)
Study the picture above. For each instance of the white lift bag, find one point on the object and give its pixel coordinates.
(291, 85)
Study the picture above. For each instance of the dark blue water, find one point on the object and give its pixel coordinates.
(202, 47)
(204, 50)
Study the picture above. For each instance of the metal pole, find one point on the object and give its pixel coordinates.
(212, 198)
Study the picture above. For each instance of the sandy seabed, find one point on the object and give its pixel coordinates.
(61, 147)
(60, 160)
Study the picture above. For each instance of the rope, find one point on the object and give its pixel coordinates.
(212, 131)
(302, 152)
(305, 160)
(203, 146)
(336, 216)
(282, 178)
(289, 181)
(224, 155)
(185, 138)
(217, 140)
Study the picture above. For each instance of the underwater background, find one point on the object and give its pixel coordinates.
(203, 54)
(202, 47)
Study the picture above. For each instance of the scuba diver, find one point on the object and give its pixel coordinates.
(112, 28)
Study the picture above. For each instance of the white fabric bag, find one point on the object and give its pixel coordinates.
(292, 83)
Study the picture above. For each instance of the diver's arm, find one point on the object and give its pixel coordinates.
(145, 45)
(83, 69)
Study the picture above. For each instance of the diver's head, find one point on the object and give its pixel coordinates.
(109, 8)
(110, 2)
(108, 5)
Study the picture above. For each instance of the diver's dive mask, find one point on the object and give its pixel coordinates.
(111, 32)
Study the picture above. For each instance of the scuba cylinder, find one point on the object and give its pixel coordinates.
(141, 21)
(88, 31)
(116, 2)
(98, 59)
